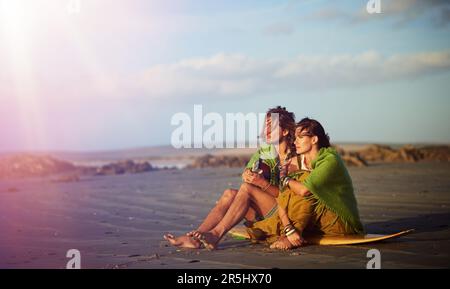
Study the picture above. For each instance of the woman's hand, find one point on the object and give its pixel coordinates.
(284, 164)
(302, 192)
(253, 178)
(296, 239)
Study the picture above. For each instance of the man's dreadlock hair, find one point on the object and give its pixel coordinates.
(287, 122)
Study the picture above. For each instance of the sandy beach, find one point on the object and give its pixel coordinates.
(118, 221)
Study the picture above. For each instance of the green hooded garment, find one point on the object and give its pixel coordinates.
(332, 188)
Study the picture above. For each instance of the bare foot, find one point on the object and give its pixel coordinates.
(282, 244)
(209, 240)
(195, 233)
(183, 241)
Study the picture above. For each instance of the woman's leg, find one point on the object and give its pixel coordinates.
(300, 215)
(248, 196)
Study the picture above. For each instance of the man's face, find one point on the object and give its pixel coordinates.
(304, 141)
(272, 129)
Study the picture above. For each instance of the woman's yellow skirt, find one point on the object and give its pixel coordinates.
(303, 216)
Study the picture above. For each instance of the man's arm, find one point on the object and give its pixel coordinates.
(259, 181)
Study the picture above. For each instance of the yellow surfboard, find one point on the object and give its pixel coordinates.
(240, 232)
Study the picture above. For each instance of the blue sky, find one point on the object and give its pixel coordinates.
(112, 74)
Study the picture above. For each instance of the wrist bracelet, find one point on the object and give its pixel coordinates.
(286, 181)
(290, 232)
(288, 227)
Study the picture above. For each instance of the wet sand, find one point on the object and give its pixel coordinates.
(118, 221)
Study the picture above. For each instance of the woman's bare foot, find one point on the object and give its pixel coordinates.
(183, 241)
(209, 240)
(282, 244)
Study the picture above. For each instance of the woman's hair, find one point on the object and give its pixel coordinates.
(314, 128)
(287, 122)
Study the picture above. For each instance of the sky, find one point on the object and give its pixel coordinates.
(107, 74)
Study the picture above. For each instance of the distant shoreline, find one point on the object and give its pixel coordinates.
(33, 164)
(167, 152)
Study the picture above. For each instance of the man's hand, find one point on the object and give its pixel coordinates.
(253, 178)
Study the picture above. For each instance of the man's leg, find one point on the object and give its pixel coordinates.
(219, 210)
(213, 218)
(223, 204)
(247, 195)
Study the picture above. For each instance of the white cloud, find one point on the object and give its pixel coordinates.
(237, 75)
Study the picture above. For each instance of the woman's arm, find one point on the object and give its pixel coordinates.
(294, 236)
(283, 216)
(297, 187)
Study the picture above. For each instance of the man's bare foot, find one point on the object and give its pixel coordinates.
(282, 244)
(209, 240)
(183, 241)
(195, 233)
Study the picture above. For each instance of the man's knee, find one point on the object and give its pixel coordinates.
(249, 189)
(229, 194)
(246, 188)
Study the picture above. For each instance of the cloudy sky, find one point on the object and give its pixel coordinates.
(110, 74)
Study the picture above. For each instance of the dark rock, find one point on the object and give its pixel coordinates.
(220, 161)
(408, 153)
(124, 167)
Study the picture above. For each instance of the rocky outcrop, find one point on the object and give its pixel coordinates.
(124, 167)
(408, 153)
(435, 153)
(353, 159)
(26, 165)
(382, 153)
(208, 160)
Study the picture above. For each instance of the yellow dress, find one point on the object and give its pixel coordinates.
(303, 215)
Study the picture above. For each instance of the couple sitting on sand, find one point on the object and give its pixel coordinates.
(294, 185)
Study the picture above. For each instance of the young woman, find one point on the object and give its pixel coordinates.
(316, 200)
(256, 197)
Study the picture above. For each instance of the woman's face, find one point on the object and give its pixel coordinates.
(304, 141)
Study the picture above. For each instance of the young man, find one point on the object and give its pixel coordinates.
(256, 198)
